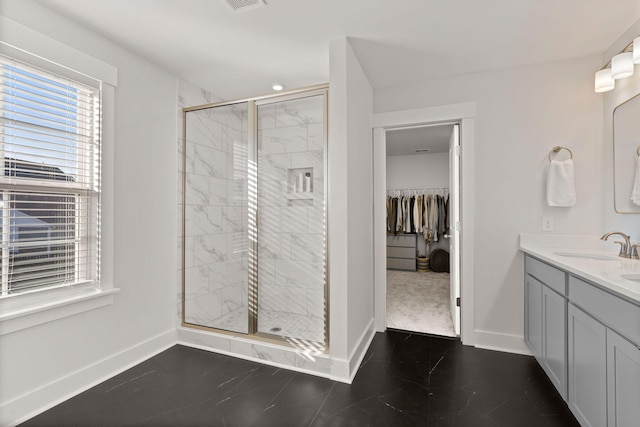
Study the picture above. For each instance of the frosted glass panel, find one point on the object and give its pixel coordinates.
(291, 219)
(216, 218)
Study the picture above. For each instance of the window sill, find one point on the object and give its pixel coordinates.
(15, 319)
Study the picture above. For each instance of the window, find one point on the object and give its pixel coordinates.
(49, 180)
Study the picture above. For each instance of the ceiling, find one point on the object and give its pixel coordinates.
(242, 53)
(403, 142)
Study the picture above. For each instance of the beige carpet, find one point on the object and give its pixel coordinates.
(419, 302)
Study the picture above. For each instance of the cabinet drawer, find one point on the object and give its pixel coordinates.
(550, 276)
(401, 264)
(400, 252)
(617, 313)
(403, 241)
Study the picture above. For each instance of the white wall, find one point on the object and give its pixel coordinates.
(418, 171)
(521, 114)
(350, 207)
(625, 89)
(46, 363)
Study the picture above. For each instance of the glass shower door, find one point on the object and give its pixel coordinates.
(216, 248)
(290, 217)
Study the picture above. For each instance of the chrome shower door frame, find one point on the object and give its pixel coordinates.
(252, 212)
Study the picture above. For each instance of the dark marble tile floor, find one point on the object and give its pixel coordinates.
(405, 380)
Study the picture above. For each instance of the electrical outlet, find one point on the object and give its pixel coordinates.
(547, 223)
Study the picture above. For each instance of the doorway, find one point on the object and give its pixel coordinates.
(464, 264)
(422, 185)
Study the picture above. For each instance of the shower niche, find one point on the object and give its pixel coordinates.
(254, 240)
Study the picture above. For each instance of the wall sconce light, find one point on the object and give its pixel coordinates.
(620, 67)
(604, 81)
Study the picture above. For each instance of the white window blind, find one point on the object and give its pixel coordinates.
(49, 179)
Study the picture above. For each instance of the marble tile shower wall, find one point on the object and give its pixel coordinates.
(188, 95)
(291, 237)
(291, 222)
(216, 215)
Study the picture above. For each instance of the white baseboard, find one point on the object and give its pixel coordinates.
(357, 356)
(500, 342)
(36, 401)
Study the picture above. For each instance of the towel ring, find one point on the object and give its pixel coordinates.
(557, 148)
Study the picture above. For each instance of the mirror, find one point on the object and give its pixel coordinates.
(626, 147)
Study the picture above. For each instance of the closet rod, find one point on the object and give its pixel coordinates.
(418, 189)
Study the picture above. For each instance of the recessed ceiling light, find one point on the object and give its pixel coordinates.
(277, 87)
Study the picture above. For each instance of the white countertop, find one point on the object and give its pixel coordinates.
(606, 273)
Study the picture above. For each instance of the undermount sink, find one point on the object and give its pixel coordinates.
(597, 257)
(633, 277)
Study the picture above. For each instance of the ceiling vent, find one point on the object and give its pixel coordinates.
(244, 4)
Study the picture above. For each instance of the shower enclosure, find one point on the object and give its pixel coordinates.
(254, 217)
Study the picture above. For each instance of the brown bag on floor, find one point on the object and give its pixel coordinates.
(439, 261)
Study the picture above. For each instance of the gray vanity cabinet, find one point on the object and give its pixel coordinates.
(587, 339)
(623, 381)
(533, 316)
(587, 369)
(604, 367)
(545, 317)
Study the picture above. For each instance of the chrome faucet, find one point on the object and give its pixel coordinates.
(626, 248)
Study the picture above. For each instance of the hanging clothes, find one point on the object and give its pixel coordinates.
(441, 216)
(392, 214)
(426, 214)
(405, 214)
(417, 214)
(433, 217)
(399, 215)
(447, 225)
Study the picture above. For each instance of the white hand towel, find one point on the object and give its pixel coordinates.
(635, 192)
(561, 189)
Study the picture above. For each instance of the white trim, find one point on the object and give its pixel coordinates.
(501, 342)
(357, 355)
(464, 113)
(28, 45)
(38, 400)
(379, 227)
(467, 232)
(53, 309)
(447, 113)
(31, 46)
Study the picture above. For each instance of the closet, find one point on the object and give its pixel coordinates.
(417, 219)
(418, 226)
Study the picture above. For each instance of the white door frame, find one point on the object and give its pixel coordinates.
(465, 115)
(454, 222)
